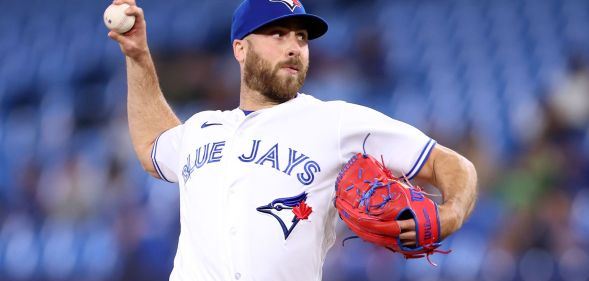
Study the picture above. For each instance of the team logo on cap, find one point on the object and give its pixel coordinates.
(292, 4)
(288, 211)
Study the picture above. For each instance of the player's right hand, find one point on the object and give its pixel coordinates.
(133, 43)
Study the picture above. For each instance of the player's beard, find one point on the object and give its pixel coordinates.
(259, 76)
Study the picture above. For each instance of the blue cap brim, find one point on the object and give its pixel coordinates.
(315, 25)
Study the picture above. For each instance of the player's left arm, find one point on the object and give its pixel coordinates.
(456, 178)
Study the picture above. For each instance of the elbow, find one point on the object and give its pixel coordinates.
(471, 184)
(144, 155)
(470, 172)
(470, 169)
(150, 169)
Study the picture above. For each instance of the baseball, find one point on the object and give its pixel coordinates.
(116, 19)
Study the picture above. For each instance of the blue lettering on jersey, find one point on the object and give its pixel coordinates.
(293, 160)
(303, 167)
(308, 176)
(307, 170)
(203, 155)
(187, 169)
(216, 150)
(272, 156)
(253, 153)
(201, 158)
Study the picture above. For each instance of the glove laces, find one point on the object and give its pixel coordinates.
(430, 250)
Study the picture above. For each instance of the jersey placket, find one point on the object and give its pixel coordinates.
(234, 214)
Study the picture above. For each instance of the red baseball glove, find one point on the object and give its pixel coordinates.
(370, 200)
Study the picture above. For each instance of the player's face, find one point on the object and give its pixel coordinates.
(277, 60)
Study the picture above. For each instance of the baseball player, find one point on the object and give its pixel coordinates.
(257, 182)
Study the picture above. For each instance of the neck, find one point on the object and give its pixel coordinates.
(252, 100)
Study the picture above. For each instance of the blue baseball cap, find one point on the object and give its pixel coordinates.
(253, 14)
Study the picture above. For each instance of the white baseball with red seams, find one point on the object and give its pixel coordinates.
(116, 20)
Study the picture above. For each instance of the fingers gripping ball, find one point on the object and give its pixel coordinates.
(370, 200)
(116, 20)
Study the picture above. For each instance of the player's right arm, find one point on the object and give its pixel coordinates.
(148, 112)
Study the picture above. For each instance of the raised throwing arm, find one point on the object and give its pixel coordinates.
(148, 112)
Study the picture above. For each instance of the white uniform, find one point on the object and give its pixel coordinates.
(243, 178)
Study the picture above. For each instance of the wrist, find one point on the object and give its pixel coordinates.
(451, 219)
(139, 57)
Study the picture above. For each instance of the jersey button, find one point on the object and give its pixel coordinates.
(237, 275)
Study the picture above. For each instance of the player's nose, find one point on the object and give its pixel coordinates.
(293, 47)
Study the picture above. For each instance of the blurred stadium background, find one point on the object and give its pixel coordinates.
(505, 82)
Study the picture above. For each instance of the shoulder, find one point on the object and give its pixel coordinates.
(305, 98)
(340, 107)
(210, 116)
(308, 100)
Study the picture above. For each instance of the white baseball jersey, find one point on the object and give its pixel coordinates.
(256, 190)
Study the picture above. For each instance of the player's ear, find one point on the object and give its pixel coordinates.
(239, 50)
